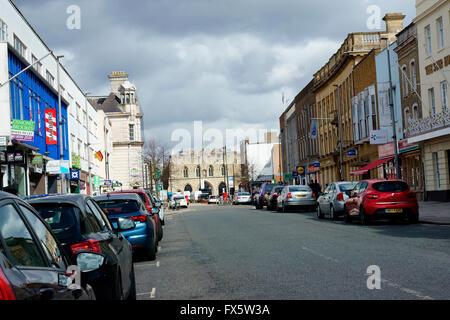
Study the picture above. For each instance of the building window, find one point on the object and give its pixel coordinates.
(131, 131)
(197, 172)
(444, 95)
(428, 37)
(20, 47)
(416, 112)
(440, 29)
(36, 65)
(432, 100)
(405, 82)
(412, 71)
(223, 170)
(211, 171)
(3, 31)
(185, 172)
(436, 164)
(50, 78)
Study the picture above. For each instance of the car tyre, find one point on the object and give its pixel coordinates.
(160, 230)
(413, 218)
(363, 217)
(151, 251)
(333, 215)
(132, 294)
(284, 208)
(319, 213)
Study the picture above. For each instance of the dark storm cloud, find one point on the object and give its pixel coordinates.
(224, 62)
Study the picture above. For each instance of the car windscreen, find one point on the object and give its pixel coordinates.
(269, 188)
(243, 194)
(63, 219)
(390, 186)
(118, 206)
(299, 189)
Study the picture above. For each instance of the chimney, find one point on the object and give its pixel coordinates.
(394, 24)
(116, 78)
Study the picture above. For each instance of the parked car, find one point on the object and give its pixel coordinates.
(180, 202)
(242, 198)
(142, 235)
(81, 226)
(296, 197)
(261, 200)
(213, 199)
(149, 206)
(158, 204)
(273, 197)
(381, 199)
(33, 264)
(331, 202)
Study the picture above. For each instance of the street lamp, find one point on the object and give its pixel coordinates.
(391, 107)
(86, 94)
(61, 142)
(341, 156)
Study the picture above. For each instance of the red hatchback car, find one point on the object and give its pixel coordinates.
(148, 204)
(381, 199)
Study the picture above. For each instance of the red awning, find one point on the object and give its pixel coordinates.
(373, 165)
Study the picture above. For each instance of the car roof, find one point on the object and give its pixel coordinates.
(119, 196)
(76, 199)
(7, 195)
(128, 191)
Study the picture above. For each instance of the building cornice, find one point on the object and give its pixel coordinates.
(428, 11)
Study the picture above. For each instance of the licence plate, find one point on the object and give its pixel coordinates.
(301, 196)
(394, 210)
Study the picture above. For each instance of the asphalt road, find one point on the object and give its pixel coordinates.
(237, 252)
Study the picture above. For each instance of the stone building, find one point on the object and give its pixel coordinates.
(205, 171)
(408, 63)
(123, 110)
(334, 86)
(433, 130)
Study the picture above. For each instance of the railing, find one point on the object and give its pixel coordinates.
(429, 124)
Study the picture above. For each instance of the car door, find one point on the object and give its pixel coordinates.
(350, 203)
(360, 196)
(117, 241)
(325, 200)
(34, 251)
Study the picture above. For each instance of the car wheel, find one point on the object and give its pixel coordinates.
(363, 217)
(284, 208)
(413, 218)
(347, 218)
(319, 213)
(160, 231)
(118, 292)
(132, 293)
(151, 251)
(332, 213)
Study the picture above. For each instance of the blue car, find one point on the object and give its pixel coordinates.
(129, 205)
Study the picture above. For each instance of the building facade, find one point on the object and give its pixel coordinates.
(411, 105)
(433, 130)
(123, 110)
(209, 171)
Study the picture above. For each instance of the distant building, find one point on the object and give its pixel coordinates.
(123, 110)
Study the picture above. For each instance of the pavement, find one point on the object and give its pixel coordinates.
(434, 212)
(237, 252)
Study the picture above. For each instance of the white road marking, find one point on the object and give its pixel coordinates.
(415, 293)
(319, 254)
(157, 264)
(152, 294)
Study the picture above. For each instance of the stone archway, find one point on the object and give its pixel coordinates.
(208, 188)
(188, 187)
(222, 186)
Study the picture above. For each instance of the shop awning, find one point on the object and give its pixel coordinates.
(373, 165)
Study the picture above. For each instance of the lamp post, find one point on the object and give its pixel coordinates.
(86, 94)
(61, 142)
(391, 107)
(341, 155)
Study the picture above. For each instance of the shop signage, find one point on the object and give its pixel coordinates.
(294, 174)
(3, 143)
(388, 150)
(301, 170)
(107, 183)
(22, 130)
(352, 152)
(313, 168)
(96, 181)
(76, 161)
(2, 157)
(51, 134)
(37, 160)
(53, 167)
(378, 137)
(16, 157)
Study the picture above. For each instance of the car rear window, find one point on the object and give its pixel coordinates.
(122, 206)
(299, 189)
(390, 186)
(269, 187)
(142, 195)
(244, 194)
(63, 219)
(278, 189)
(347, 186)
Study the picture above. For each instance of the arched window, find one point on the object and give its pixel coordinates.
(415, 112)
(185, 172)
(223, 170)
(211, 171)
(405, 82)
(197, 172)
(412, 70)
(407, 115)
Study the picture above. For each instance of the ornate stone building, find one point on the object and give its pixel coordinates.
(123, 109)
(205, 171)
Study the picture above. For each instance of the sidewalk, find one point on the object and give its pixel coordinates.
(434, 212)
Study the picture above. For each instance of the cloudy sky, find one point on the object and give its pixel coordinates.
(224, 62)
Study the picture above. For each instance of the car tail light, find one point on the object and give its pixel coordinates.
(6, 291)
(372, 196)
(313, 195)
(141, 219)
(289, 196)
(340, 196)
(239, 198)
(89, 245)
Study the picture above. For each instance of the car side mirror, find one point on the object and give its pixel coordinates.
(89, 261)
(155, 210)
(125, 224)
(158, 204)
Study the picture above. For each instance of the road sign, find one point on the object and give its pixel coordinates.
(75, 175)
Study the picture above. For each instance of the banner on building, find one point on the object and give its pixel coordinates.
(51, 134)
(378, 137)
(314, 129)
(22, 130)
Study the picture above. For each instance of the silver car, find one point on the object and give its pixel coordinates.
(331, 202)
(242, 198)
(296, 196)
